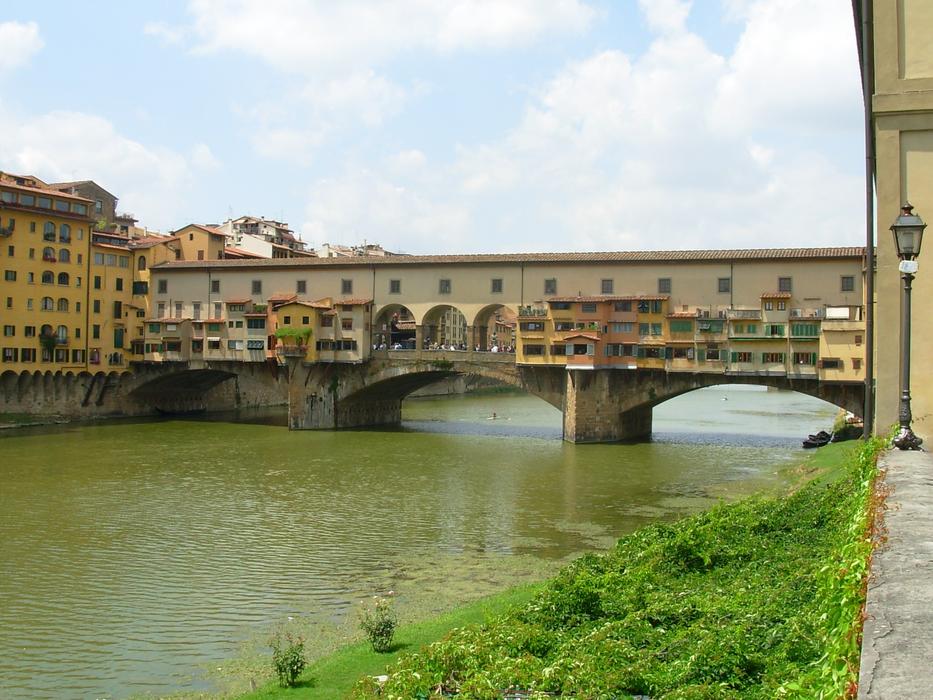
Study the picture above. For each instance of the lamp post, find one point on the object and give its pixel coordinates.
(908, 235)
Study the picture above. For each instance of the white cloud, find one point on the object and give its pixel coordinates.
(310, 37)
(20, 42)
(362, 205)
(203, 158)
(666, 16)
(170, 34)
(153, 183)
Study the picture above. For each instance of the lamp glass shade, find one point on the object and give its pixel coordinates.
(908, 233)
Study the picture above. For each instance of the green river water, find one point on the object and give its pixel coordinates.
(138, 556)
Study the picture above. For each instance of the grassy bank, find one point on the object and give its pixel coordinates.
(335, 675)
(758, 599)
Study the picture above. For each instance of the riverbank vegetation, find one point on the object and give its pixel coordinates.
(758, 599)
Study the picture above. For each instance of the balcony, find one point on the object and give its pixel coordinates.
(531, 311)
(747, 314)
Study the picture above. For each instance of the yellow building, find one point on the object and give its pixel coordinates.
(902, 107)
(44, 249)
(197, 242)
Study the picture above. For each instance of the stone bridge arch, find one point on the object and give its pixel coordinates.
(347, 396)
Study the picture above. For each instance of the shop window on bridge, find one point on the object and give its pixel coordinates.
(741, 357)
(256, 323)
(327, 321)
(559, 326)
(537, 326)
(622, 306)
(804, 358)
(255, 344)
(533, 350)
(496, 285)
(681, 353)
(560, 305)
(772, 357)
(805, 329)
(681, 326)
(443, 287)
(346, 324)
(774, 330)
(588, 307)
(559, 349)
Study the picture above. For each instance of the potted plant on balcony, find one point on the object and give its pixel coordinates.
(293, 340)
(48, 341)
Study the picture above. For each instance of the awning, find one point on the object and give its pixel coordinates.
(213, 339)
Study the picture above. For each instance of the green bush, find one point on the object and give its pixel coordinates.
(288, 657)
(379, 622)
(754, 600)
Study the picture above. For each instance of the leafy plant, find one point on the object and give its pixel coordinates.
(288, 657)
(379, 622)
(298, 336)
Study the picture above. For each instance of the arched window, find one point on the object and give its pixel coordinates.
(141, 263)
(63, 304)
(48, 304)
(46, 330)
(64, 233)
(62, 334)
(48, 277)
(48, 254)
(48, 231)
(63, 278)
(64, 255)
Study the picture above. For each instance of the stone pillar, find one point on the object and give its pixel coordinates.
(419, 339)
(594, 412)
(470, 339)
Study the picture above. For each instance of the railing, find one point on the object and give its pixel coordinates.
(531, 311)
(745, 313)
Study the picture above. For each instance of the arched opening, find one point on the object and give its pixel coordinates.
(444, 326)
(394, 328)
(48, 232)
(64, 233)
(62, 304)
(141, 263)
(64, 255)
(63, 278)
(494, 327)
(48, 304)
(48, 253)
(48, 277)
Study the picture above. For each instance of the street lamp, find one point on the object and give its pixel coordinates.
(908, 235)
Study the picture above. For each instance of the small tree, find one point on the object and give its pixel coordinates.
(379, 623)
(288, 657)
(297, 336)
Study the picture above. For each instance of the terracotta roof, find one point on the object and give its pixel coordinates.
(588, 336)
(310, 304)
(282, 296)
(208, 229)
(352, 302)
(74, 183)
(164, 320)
(238, 300)
(775, 295)
(723, 256)
(47, 192)
(682, 314)
(240, 253)
(150, 241)
(597, 298)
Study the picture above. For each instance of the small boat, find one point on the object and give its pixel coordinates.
(817, 440)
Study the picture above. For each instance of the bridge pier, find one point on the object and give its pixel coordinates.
(594, 409)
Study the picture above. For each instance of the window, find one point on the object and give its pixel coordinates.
(118, 309)
(804, 358)
(215, 327)
(624, 327)
(48, 254)
(62, 304)
(257, 287)
(622, 306)
(98, 206)
(305, 320)
(534, 326)
(155, 327)
(9, 331)
(681, 326)
(9, 275)
(772, 357)
(805, 329)
(95, 332)
(97, 306)
(346, 324)
(497, 285)
(29, 305)
(140, 288)
(774, 329)
(119, 284)
(10, 354)
(28, 355)
(644, 328)
(724, 285)
(48, 231)
(9, 302)
(161, 309)
(217, 309)
(255, 323)
(327, 321)
(588, 307)
(395, 286)
(196, 311)
(444, 287)
(769, 306)
(741, 357)
(64, 233)
(533, 349)
(200, 255)
(29, 331)
(858, 340)
(550, 286)
(301, 287)
(177, 309)
(234, 345)
(560, 305)
(256, 344)
(784, 284)
(856, 363)
(162, 286)
(847, 283)
(346, 286)
(97, 281)
(9, 250)
(782, 306)
(79, 208)
(118, 337)
(831, 363)
(664, 285)
(606, 286)
(655, 329)
(236, 308)
(215, 286)
(48, 277)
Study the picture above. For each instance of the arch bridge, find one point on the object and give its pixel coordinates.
(600, 405)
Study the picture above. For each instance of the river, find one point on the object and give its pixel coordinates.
(137, 554)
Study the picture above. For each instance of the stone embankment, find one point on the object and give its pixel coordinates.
(897, 640)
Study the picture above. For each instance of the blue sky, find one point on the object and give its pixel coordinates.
(456, 126)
